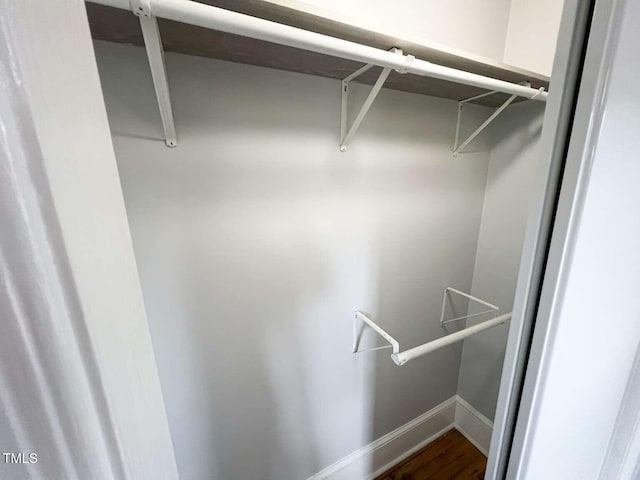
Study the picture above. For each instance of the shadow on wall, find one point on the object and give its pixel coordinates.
(254, 327)
(512, 172)
(427, 241)
(517, 133)
(250, 323)
(256, 239)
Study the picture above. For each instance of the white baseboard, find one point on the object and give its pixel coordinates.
(395, 446)
(382, 454)
(473, 425)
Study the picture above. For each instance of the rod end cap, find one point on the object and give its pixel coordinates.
(397, 360)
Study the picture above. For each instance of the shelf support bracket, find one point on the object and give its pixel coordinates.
(458, 147)
(155, 55)
(346, 132)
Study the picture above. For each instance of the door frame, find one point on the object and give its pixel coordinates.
(548, 404)
(79, 386)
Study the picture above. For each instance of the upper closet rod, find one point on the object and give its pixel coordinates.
(215, 18)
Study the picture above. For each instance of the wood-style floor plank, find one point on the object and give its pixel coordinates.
(450, 457)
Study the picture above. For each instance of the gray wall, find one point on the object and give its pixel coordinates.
(256, 239)
(512, 166)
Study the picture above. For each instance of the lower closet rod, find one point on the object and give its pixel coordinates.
(403, 357)
(215, 18)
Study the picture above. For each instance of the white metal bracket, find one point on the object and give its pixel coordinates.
(400, 358)
(155, 55)
(360, 319)
(447, 294)
(347, 133)
(457, 147)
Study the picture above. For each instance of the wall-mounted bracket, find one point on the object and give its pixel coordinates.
(457, 147)
(155, 55)
(447, 294)
(346, 132)
(359, 320)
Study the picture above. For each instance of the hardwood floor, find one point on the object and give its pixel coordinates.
(449, 457)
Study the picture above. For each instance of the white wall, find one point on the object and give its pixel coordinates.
(522, 33)
(256, 239)
(478, 26)
(514, 139)
(532, 33)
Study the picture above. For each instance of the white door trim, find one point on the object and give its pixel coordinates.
(78, 381)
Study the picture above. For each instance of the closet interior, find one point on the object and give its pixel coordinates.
(312, 188)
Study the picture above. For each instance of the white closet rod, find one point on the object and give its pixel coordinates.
(403, 357)
(214, 18)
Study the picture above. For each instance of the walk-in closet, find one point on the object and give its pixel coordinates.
(319, 240)
(328, 226)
